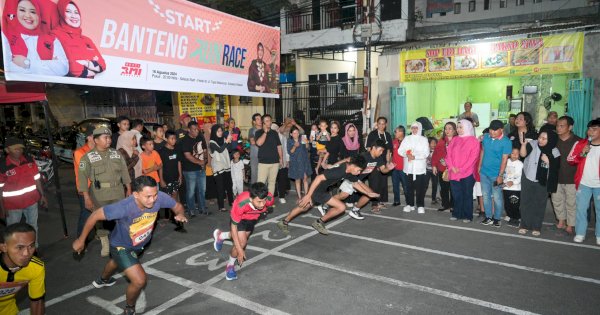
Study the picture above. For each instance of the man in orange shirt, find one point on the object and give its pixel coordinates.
(89, 144)
(151, 161)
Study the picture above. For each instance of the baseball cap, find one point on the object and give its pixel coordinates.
(12, 141)
(102, 131)
(184, 116)
(496, 124)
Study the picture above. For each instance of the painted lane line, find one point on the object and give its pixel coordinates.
(454, 255)
(168, 255)
(210, 291)
(483, 231)
(408, 285)
(250, 261)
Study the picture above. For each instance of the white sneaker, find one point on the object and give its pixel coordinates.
(507, 218)
(579, 239)
(421, 210)
(282, 200)
(349, 204)
(412, 208)
(407, 209)
(355, 214)
(321, 210)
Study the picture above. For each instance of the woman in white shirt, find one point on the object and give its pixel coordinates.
(28, 48)
(415, 149)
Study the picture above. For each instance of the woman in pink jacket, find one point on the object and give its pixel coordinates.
(461, 158)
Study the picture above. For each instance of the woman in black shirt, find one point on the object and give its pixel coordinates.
(335, 147)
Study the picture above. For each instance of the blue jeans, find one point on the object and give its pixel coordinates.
(84, 214)
(462, 196)
(582, 201)
(195, 186)
(398, 178)
(489, 190)
(31, 217)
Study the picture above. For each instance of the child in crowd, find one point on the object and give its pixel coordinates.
(322, 138)
(170, 173)
(432, 178)
(237, 173)
(512, 188)
(398, 175)
(151, 161)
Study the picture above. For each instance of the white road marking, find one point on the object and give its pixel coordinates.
(408, 285)
(266, 236)
(113, 308)
(207, 290)
(211, 264)
(250, 261)
(537, 239)
(168, 255)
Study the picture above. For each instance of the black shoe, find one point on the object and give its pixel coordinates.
(513, 223)
(395, 204)
(497, 223)
(180, 229)
(443, 209)
(487, 221)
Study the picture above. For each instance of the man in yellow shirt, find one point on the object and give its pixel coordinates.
(19, 269)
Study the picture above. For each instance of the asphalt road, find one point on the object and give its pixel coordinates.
(393, 263)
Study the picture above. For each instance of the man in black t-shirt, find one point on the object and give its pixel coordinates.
(193, 148)
(317, 193)
(270, 154)
(170, 174)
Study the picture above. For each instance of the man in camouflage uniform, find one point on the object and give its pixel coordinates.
(106, 170)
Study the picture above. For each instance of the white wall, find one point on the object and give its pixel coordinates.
(495, 11)
(306, 66)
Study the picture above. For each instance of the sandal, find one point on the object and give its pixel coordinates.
(522, 231)
(536, 233)
(376, 210)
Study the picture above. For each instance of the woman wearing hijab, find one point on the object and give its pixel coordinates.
(438, 162)
(28, 46)
(85, 61)
(351, 141)
(415, 150)
(126, 145)
(221, 165)
(462, 156)
(540, 170)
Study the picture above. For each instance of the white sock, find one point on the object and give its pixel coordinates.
(355, 208)
(224, 236)
(231, 261)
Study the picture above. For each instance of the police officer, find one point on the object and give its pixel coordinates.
(106, 171)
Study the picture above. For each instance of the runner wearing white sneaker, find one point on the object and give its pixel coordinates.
(318, 193)
(247, 209)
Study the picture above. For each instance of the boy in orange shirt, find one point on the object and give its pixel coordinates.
(151, 161)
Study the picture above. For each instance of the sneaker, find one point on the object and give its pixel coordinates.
(578, 238)
(180, 229)
(322, 209)
(282, 201)
(218, 243)
(421, 210)
(230, 273)
(497, 223)
(100, 283)
(349, 204)
(320, 227)
(407, 209)
(355, 214)
(514, 223)
(467, 221)
(507, 218)
(487, 221)
(453, 218)
(283, 227)
(129, 310)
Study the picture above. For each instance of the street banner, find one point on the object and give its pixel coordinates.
(169, 45)
(553, 54)
(202, 107)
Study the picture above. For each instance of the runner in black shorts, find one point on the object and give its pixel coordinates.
(318, 193)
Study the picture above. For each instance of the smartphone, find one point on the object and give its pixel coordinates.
(303, 139)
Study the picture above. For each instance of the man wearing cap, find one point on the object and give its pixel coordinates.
(492, 162)
(20, 185)
(77, 155)
(106, 172)
(184, 120)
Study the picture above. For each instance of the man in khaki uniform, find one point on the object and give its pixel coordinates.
(106, 170)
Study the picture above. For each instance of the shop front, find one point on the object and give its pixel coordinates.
(498, 77)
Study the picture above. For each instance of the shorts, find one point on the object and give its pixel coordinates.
(321, 147)
(477, 190)
(246, 225)
(321, 197)
(125, 257)
(171, 188)
(346, 187)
